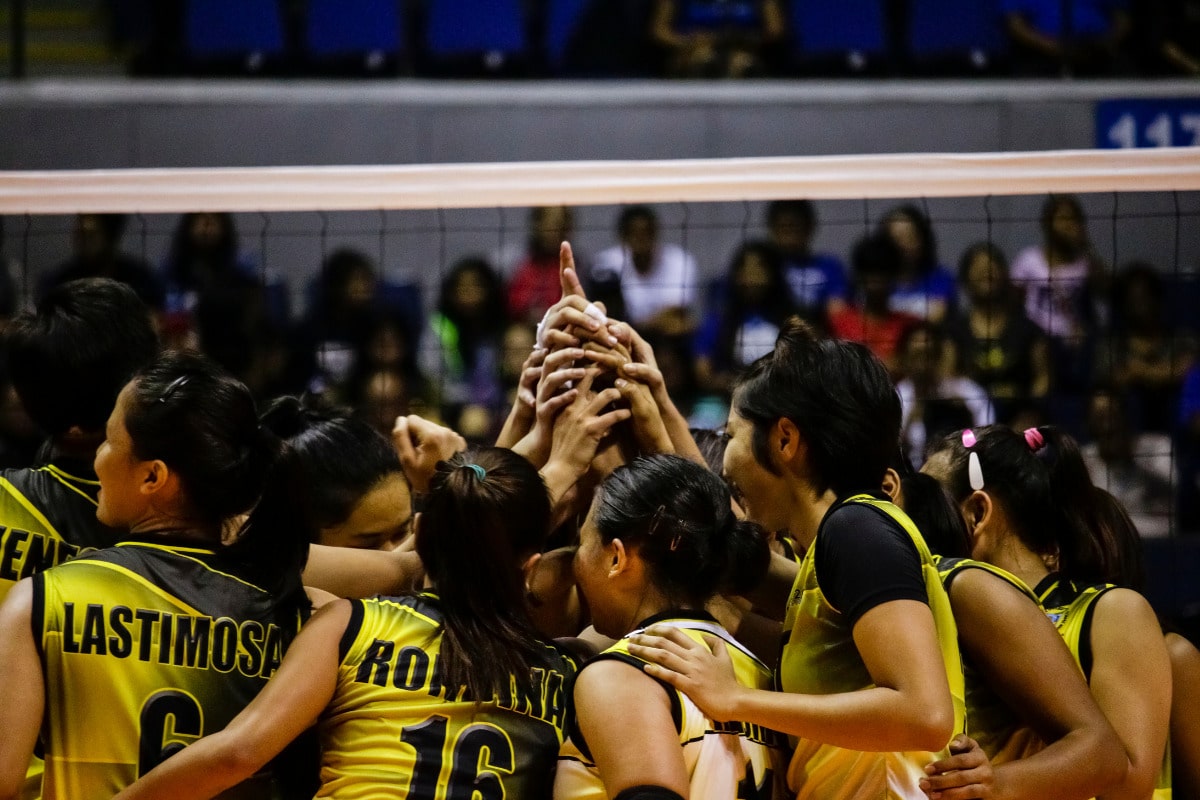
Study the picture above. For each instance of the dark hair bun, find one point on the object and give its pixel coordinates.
(748, 555)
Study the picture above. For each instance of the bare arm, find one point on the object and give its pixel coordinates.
(1131, 682)
(908, 708)
(287, 706)
(24, 692)
(1185, 715)
(1020, 655)
(347, 572)
(613, 699)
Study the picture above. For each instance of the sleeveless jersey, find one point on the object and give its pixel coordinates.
(1070, 606)
(1001, 733)
(393, 730)
(146, 647)
(47, 515)
(819, 657)
(724, 760)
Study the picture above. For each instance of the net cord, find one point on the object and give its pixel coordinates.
(523, 184)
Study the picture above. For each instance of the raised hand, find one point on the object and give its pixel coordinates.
(421, 445)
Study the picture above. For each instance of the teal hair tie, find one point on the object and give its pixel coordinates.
(479, 471)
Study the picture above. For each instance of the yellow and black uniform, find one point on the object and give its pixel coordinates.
(146, 647)
(1000, 731)
(724, 760)
(394, 731)
(867, 552)
(47, 516)
(1071, 606)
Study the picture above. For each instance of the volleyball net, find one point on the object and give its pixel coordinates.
(412, 287)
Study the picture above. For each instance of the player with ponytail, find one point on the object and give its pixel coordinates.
(437, 694)
(1032, 511)
(119, 657)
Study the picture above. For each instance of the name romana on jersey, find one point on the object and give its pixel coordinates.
(178, 640)
(411, 669)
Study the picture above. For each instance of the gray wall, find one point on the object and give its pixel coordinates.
(166, 124)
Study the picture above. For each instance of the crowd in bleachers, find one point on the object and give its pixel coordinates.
(647, 38)
(1049, 332)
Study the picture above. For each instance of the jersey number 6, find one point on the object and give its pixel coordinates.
(165, 715)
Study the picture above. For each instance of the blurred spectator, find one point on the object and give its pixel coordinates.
(463, 354)
(997, 346)
(1082, 37)
(216, 301)
(96, 253)
(872, 321)
(519, 339)
(1174, 36)
(1062, 282)
(817, 280)
(344, 301)
(649, 284)
(925, 288)
(934, 399)
(534, 285)
(387, 347)
(1136, 468)
(380, 396)
(1144, 356)
(753, 305)
(718, 38)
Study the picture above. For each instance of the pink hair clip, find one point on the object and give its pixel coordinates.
(1034, 438)
(974, 468)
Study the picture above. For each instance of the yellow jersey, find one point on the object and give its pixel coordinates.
(1000, 731)
(1070, 606)
(724, 760)
(146, 647)
(819, 657)
(394, 731)
(47, 516)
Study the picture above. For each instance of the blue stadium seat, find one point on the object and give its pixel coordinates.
(233, 29)
(458, 28)
(854, 30)
(949, 28)
(562, 23)
(354, 28)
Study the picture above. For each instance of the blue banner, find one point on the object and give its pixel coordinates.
(1148, 123)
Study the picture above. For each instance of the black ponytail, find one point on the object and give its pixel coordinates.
(1089, 550)
(1044, 484)
(202, 423)
(933, 511)
(486, 510)
(1013, 476)
(678, 516)
(342, 457)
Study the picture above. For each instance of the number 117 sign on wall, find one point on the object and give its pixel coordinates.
(1148, 123)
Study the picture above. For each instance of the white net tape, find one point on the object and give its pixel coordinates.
(597, 182)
